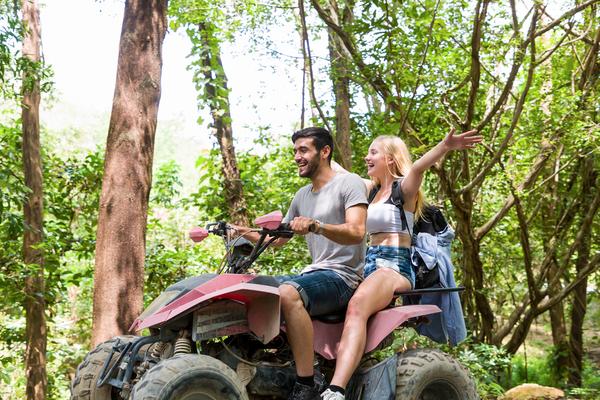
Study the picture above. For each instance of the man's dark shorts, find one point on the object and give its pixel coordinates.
(322, 291)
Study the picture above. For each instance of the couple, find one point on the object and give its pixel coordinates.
(333, 214)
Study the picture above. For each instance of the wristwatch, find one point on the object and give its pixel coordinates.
(316, 227)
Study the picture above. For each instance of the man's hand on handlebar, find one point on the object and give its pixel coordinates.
(301, 225)
(253, 234)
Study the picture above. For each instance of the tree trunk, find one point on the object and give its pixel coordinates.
(557, 313)
(120, 245)
(559, 328)
(479, 314)
(580, 292)
(33, 257)
(217, 95)
(340, 78)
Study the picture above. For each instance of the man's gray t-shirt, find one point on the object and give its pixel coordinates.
(329, 206)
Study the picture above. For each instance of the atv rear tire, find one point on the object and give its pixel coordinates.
(428, 374)
(84, 386)
(190, 377)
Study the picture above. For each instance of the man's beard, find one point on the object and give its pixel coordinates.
(310, 169)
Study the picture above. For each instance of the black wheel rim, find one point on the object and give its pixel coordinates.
(439, 389)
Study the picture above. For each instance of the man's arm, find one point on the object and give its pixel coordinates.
(352, 231)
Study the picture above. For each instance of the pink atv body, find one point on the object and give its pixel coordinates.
(261, 302)
(221, 336)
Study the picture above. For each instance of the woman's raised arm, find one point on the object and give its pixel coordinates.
(414, 178)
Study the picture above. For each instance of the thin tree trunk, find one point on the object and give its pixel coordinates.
(557, 313)
(559, 327)
(479, 314)
(307, 82)
(216, 82)
(340, 77)
(341, 88)
(120, 245)
(579, 308)
(35, 305)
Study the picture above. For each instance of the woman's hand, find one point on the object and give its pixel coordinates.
(466, 140)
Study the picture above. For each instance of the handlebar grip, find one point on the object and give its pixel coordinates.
(284, 230)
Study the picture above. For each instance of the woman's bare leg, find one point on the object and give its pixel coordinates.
(374, 294)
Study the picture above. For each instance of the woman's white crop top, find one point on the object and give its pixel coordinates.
(385, 217)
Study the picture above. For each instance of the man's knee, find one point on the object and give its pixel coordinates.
(290, 298)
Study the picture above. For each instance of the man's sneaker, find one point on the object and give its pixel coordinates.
(331, 395)
(304, 392)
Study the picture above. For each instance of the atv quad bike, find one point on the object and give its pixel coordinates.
(220, 336)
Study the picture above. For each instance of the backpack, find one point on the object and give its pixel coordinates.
(432, 222)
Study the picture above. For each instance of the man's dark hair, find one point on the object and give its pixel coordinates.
(320, 136)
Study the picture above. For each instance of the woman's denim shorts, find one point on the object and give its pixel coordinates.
(392, 257)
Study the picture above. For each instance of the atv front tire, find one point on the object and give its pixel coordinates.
(190, 377)
(84, 386)
(428, 374)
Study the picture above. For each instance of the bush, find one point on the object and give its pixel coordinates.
(487, 363)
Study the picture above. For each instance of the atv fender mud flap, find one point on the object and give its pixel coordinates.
(327, 336)
(376, 382)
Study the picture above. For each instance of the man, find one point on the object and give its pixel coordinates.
(330, 213)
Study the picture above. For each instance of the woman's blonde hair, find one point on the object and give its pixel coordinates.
(396, 149)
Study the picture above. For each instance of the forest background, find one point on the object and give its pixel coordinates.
(524, 205)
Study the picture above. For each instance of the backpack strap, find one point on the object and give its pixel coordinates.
(373, 193)
(398, 201)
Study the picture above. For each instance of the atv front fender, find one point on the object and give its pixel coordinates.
(262, 304)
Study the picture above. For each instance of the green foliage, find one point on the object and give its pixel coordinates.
(532, 369)
(166, 184)
(10, 35)
(12, 195)
(13, 65)
(591, 382)
(71, 193)
(488, 365)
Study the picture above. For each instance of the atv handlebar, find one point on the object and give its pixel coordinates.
(221, 228)
(241, 253)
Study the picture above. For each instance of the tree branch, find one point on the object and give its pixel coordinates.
(558, 20)
(475, 73)
(534, 292)
(310, 69)
(536, 168)
(548, 303)
(548, 53)
(516, 116)
(587, 75)
(518, 60)
(587, 221)
(374, 80)
(569, 30)
(422, 62)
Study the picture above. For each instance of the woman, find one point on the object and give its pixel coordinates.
(388, 268)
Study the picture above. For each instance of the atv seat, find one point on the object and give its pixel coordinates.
(335, 318)
(338, 317)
